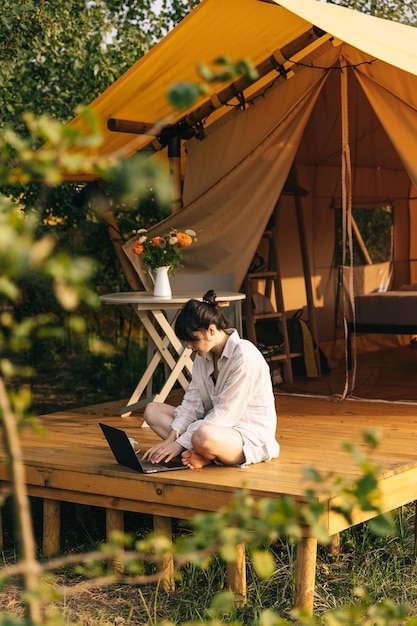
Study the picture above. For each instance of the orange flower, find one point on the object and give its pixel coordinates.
(184, 240)
(137, 247)
(166, 249)
(157, 242)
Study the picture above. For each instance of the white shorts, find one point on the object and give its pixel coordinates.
(253, 453)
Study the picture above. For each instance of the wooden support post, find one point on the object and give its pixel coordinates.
(115, 522)
(163, 526)
(51, 527)
(305, 574)
(236, 576)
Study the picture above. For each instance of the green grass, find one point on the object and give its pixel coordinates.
(70, 378)
(385, 567)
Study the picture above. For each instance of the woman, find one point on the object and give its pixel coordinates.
(228, 414)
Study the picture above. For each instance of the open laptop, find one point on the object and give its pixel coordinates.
(125, 455)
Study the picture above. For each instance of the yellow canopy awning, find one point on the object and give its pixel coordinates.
(271, 34)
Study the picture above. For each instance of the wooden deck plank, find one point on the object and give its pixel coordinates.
(75, 447)
(72, 463)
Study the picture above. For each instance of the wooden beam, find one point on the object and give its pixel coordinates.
(135, 128)
(185, 127)
(275, 62)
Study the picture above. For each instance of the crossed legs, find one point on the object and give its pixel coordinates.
(209, 441)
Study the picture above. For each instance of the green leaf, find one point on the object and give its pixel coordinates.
(383, 525)
(263, 563)
(183, 94)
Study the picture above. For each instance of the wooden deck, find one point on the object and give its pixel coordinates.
(74, 464)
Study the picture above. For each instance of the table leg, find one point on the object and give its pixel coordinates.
(173, 377)
(305, 573)
(150, 351)
(170, 336)
(133, 402)
(161, 342)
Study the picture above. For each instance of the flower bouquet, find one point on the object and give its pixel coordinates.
(165, 250)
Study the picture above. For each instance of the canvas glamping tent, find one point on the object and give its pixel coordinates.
(336, 103)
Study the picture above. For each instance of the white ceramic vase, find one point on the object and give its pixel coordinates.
(161, 284)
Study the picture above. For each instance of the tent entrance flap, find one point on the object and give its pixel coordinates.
(235, 176)
(241, 139)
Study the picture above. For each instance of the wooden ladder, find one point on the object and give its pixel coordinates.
(269, 279)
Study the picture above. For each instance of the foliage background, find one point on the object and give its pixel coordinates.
(399, 11)
(55, 56)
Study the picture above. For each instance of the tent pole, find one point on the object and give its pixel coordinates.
(306, 268)
(174, 157)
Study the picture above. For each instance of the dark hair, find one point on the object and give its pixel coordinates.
(196, 315)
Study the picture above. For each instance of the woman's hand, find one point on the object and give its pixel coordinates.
(164, 451)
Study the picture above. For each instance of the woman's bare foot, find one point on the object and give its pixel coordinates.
(193, 460)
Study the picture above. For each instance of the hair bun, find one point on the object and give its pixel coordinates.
(210, 297)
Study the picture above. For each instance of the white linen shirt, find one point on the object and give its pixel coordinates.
(242, 398)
